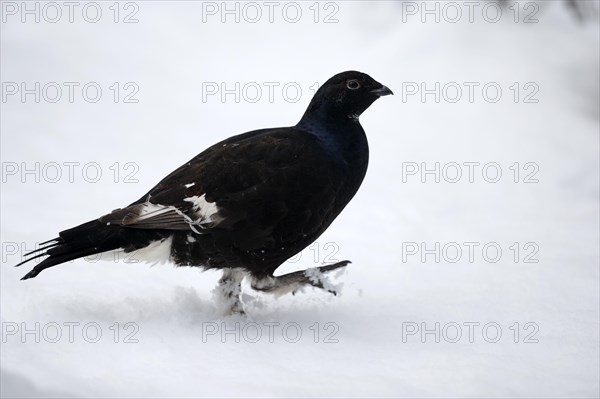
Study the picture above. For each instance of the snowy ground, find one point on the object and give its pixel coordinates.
(161, 334)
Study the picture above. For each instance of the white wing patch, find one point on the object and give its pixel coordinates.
(202, 213)
(150, 210)
(206, 211)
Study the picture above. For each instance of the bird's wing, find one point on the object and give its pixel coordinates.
(247, 183)
(193, 215)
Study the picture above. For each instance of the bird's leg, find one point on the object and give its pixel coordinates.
(280, 285)
(229, 290)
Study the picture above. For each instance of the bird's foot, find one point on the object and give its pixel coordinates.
(228, 292)
(291, 282)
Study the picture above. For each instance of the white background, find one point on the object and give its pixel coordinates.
(171, 54)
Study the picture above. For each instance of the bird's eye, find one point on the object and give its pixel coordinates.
(353, 84)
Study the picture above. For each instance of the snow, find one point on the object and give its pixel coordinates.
(111, 328)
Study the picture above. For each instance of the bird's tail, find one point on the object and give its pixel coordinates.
(87, 239)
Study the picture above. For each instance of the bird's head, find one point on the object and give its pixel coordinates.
(347, 94)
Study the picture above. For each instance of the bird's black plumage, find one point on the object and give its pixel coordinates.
(251, 201)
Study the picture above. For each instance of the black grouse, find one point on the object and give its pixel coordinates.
(248, 203)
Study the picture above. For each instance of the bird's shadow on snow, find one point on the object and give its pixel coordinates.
(15, 385)
(169, 304)
(188, 307)
(179, 304)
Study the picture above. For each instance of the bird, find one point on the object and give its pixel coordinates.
(246, 204)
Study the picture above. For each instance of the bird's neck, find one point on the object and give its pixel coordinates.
(322, 117)
(341, 134)
(346, 144)
(324, 123)
(325, 113)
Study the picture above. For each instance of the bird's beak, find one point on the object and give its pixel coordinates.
(382, 91)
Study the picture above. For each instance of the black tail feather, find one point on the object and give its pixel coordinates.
(46, 242)
(87, 239)
(42, 248)
(56, 260)
(33, 257)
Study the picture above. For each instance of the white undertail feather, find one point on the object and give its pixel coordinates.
(158, 252)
